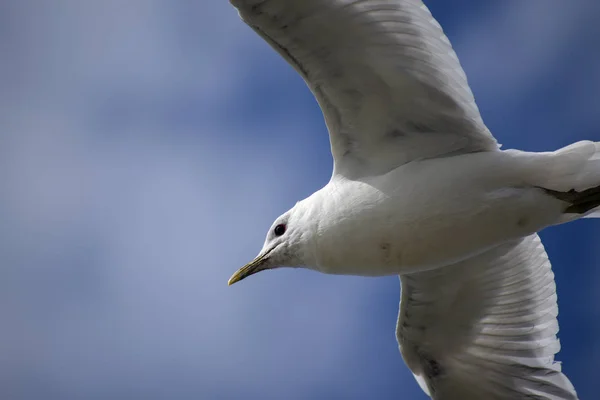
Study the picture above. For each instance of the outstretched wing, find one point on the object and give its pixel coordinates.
(385, 75)
(485, 328)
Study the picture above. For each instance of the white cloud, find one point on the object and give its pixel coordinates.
(513, 47)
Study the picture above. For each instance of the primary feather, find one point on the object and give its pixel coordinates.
(386, 77)
(485, 328)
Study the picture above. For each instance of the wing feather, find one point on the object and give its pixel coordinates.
(386, 77)
(485, 328)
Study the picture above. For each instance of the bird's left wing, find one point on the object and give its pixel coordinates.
(485, 328)
(386, 77)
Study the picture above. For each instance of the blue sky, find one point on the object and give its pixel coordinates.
(146, 147)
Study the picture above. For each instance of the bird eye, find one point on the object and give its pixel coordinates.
(279, 230)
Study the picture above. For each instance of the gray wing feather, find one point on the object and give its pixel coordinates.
(485, 328)
(386, 77)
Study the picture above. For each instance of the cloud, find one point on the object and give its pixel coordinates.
(514, 52)
(513, 48)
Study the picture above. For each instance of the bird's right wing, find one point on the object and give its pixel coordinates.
(485, 328)
(385, 75)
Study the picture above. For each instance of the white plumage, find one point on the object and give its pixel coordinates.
(492, 319)
(421, 189)
(383, 73)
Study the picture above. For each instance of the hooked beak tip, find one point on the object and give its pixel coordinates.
(234, 278)
(248, 269)
(239, 275)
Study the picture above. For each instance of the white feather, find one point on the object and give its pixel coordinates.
(488, 324)
(386, 77)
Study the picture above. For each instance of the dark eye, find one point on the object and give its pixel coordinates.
(279, 230)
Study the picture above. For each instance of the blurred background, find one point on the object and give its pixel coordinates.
(146, 147)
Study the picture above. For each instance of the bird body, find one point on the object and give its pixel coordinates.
(429, 213)
(421, 189)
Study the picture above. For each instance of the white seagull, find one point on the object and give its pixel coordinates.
(421, 189)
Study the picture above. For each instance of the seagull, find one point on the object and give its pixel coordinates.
(421, 189)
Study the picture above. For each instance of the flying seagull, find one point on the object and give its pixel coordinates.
(421, 189)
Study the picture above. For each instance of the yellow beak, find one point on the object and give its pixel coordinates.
(249, 269)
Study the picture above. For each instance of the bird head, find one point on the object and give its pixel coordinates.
(287, 244)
